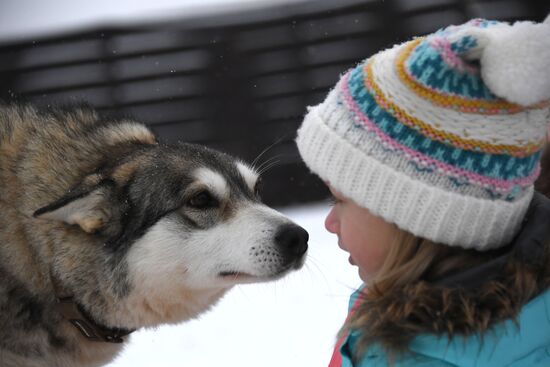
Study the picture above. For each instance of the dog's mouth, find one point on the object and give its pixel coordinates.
(235, 275)
(242, 277)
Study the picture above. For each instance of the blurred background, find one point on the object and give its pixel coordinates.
(235, 75)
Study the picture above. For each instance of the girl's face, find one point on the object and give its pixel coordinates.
(366, 237)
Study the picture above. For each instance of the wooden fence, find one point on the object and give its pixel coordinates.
(238, 82)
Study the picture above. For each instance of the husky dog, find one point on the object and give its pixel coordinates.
(103, 230)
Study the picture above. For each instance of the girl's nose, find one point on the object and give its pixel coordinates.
(331, 222)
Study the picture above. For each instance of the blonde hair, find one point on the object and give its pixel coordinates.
(402, 301)
(412, 258)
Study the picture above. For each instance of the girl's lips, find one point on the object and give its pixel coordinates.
(350, 259)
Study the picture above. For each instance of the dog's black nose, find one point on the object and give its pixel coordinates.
(292, 239)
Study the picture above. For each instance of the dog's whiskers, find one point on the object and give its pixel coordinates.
(267, 149)
(317, 265)
(269, 164)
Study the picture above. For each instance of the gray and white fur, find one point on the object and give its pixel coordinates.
(137, 233)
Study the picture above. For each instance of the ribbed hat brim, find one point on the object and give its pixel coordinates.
(414, 206)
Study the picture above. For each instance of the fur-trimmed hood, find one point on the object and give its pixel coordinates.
(471, 302)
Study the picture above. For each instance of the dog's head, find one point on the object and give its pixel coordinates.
(183, 214)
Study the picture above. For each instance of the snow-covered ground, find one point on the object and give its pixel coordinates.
(290, 323)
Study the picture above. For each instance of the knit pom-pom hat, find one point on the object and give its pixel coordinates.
(441, 135)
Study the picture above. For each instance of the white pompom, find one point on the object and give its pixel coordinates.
(515, 63)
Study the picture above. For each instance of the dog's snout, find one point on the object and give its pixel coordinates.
(292, 239)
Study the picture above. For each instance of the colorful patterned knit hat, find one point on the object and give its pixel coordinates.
(441, 135)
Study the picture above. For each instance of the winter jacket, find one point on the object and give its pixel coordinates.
(524, 341)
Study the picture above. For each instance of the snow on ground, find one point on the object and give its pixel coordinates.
(290, 323)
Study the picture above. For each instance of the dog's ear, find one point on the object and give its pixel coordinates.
(87, 205)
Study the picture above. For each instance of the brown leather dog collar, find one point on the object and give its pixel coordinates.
(82, 321)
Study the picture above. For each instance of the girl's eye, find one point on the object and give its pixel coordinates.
(203, 200)
(333, 200)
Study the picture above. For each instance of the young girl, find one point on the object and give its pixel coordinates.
(430, 150)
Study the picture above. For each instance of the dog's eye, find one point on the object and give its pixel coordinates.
(203, 200)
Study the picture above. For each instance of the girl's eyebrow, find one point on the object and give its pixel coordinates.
(334, 194)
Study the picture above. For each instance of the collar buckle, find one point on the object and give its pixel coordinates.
(82, 321)
(88, 328)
